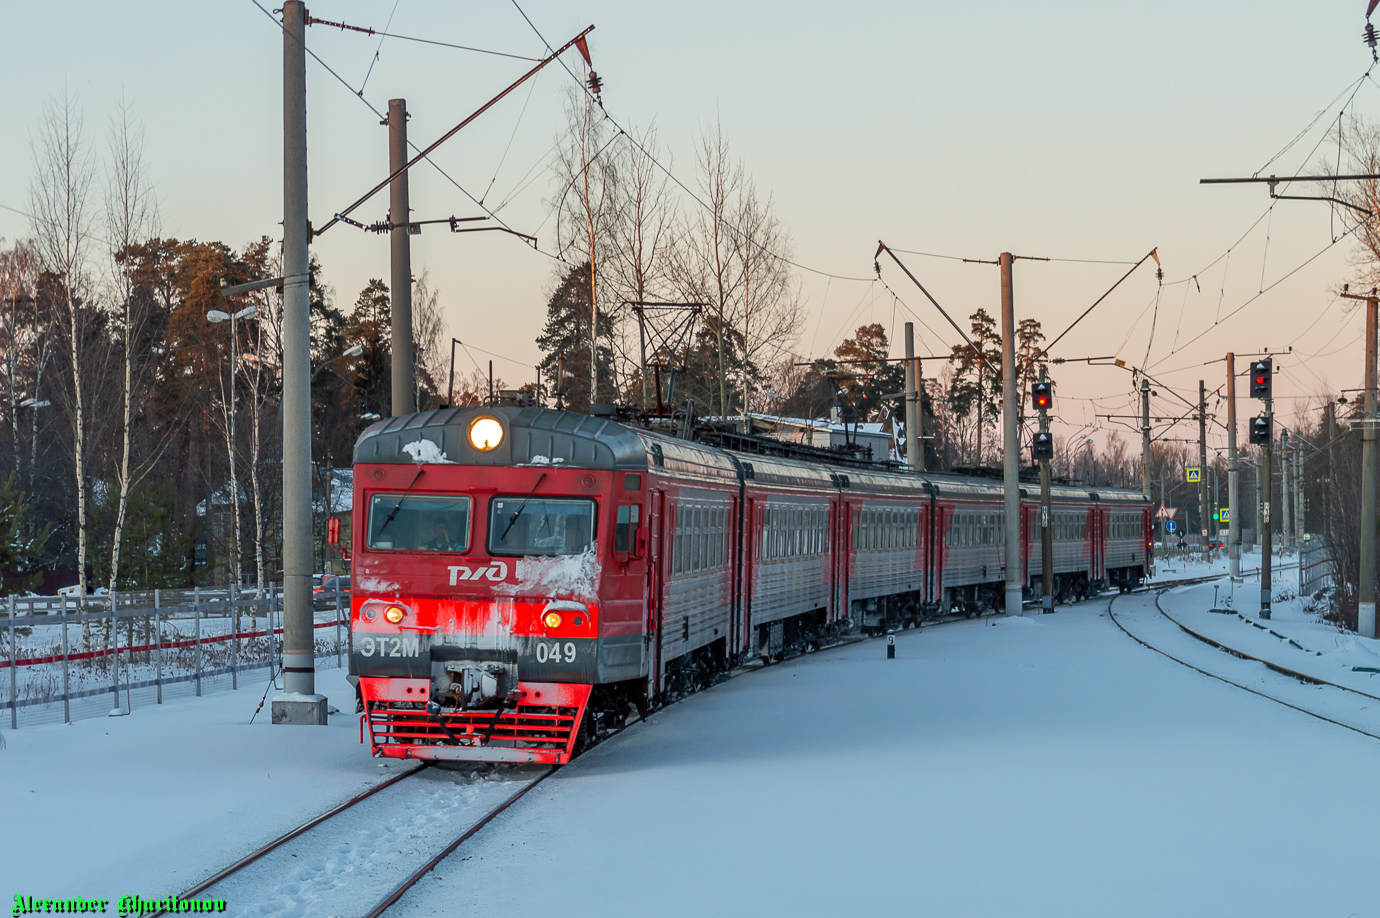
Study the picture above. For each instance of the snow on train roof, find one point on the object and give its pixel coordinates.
(536, 437)
(543, 436)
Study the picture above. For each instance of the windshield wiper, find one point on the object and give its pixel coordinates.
(394, 513)
(512, 521)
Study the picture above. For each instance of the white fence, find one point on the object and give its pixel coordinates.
(66, 659)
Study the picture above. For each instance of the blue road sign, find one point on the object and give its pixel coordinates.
(1170, 525)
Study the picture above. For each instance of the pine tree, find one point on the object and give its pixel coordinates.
(19, 550)
(873, 377)
(565, 342)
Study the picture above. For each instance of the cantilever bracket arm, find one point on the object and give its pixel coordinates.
(883, 247)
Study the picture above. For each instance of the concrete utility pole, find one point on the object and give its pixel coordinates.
(912, 408)
(1047, 524)
(1233, 480)
(404, 377)
(1145, 466)
(1265, 479)
(1010, 444)
(1204, 514)
(1366, 609)
(299, 704)
(1300, 511)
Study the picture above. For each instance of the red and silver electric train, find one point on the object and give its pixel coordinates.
(524, 578)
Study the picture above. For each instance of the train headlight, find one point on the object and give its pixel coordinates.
(394, 614)
(485, 434)
(552, 620)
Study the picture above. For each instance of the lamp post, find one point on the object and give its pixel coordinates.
(1070, 448)
(215, 317)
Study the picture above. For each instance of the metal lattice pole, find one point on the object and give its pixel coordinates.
(196, 613)
(14, 684)
(234, 637)
(66, 679)
(158, 642)
(337, 622)
(112, 607)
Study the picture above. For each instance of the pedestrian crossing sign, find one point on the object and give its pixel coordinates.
(1194, 475)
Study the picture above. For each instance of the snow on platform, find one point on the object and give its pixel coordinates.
(1045, 765)
(1033, 766)
(161, 798)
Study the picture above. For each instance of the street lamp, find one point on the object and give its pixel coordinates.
(215, 317)
(1070, 448)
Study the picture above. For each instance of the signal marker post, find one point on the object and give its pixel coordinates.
(1042, 450)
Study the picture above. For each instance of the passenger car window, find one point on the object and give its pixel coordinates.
(540, 526)
(412, 522)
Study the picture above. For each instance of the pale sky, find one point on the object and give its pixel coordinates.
(1075, 130)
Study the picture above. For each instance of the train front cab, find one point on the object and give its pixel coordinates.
(499, 593)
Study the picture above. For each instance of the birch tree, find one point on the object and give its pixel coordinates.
(131, 218)
(706, 268)
(642, 230)
(771, 307)
(59, 204)
(585, 208)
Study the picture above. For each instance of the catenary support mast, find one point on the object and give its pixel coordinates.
(1233, 491)
(400, 252)
(1010, 441)
(300, 704)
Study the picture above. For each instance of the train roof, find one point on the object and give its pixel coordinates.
(538, 437)
(543, 436)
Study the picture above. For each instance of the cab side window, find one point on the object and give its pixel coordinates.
(625, 529)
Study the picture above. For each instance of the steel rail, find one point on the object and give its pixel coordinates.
(398, 891)
(1244, 688)
(1277, 667)
(284, 839)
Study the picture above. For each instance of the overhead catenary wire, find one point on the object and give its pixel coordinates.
(1257, 296)
(373, 108)
(672, 176)
(384, 33)
(375, 59)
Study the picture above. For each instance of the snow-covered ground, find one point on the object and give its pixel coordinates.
(1043, 765)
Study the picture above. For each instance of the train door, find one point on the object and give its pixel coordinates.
(1099, 546)
(749, 573)
(658, 553)
(848, 519)
(937, 543)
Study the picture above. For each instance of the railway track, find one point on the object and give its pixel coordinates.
(1160, 589)
(409, 878)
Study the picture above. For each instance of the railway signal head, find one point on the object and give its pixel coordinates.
(1042, 446)
(1042, 395)
(1260, 430)
(1262, 372)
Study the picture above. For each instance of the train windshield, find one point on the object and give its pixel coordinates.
(411, 522)
(540, 526)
